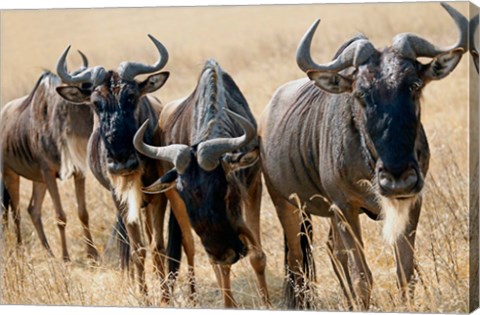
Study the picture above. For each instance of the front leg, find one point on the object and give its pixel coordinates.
(404, 253)
(92, 252)
(185, 231)
(60, 216)
(339, 258)
(222, 272)
(155, 215)
(251, 229)
(137, 251)
(348, 224)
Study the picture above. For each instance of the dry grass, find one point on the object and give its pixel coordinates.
(256, 45)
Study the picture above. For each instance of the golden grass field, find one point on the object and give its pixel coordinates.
(256, 45)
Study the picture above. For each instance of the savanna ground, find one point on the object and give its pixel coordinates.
(256, 45)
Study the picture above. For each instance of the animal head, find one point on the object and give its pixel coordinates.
(115, 98)
(385, 87)
(204, 178)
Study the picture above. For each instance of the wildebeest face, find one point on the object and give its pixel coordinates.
(213, 204)
(116, 104)
(115, 97)
(387, 113)
(213, 199)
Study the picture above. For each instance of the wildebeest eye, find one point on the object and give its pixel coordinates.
(416, 86)
(130, 98)
(97, 103)
(360, 94)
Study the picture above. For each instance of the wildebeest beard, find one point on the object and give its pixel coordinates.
(214, 202)
(128, 192)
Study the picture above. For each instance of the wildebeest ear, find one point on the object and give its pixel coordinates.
(236, 161)
(330, 82)
(74, 94)
(164, 183)
(442, 65)
(153, 82)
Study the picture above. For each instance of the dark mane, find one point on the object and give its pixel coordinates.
(28, 100)
(206, 98)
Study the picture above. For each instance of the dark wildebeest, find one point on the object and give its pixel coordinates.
(212, 144)
(352, 142)
(120, 104)
(45, 138)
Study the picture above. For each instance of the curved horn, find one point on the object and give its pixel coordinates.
(129, 70)
(177, 154)
(210, 151)
(413, 46)
(84, 59)
(353, 55)
(93, 75)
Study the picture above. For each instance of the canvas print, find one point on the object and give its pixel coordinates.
(283, 157)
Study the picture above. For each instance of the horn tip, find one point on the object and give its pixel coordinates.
(451, 10)
(315, 23)
(145, 123)
(445, 5)
(152, 38)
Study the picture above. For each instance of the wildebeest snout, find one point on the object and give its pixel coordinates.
(399, 184)
(123, 167)
(227, 255)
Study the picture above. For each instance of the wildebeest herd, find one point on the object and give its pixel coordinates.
(346, 140)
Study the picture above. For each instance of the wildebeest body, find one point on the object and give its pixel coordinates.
(351, 142)
(60, 137)
(120, 103)
(210, 138)
(44, 137)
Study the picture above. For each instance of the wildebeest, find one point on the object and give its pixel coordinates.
(210, 138)
(120, 103)
(352, 142)
(45, 138)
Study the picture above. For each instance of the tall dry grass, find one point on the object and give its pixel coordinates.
(256, 45)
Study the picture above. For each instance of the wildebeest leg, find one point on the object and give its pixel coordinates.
(223, 277)
(119, 237)
(291, 221)
(258, 260)
(12, 183)
(35, 210)
(137, 250)
(339, 258)
(83, 215)
(404, 253)
(348, 225)
(61, 218)
(154, 225)
(180, 212)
